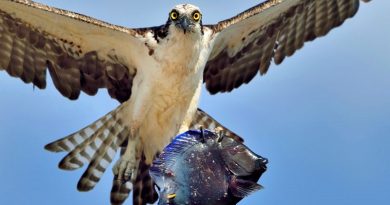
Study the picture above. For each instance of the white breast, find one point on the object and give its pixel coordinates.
(166, 90)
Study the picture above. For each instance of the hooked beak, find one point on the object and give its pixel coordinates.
(184, 24)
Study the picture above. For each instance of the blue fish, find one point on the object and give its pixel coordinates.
(204, 168)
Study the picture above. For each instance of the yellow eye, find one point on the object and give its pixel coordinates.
(196, 16)
(174, 15)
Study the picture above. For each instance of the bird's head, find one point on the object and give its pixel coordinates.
(185, 18)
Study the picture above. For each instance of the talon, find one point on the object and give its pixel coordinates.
(133, 176)
(115, 169)
(218, 131)
(220, 138)
(124, 170)
(134, 172)
(128, 172)
(202, 134)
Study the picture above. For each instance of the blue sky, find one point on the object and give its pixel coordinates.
(322, 117)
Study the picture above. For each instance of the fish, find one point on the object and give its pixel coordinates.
(202, 167)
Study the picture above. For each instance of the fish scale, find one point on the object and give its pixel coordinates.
(202, 167)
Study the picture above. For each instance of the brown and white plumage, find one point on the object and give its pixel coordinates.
(247, 43)
(85, 54)
(75, 61)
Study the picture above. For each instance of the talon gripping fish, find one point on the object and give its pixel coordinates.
(203, 168)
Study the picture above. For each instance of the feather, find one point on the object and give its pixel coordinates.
(29, 47)
(247, 43)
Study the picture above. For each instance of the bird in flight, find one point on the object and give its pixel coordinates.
(156, 73)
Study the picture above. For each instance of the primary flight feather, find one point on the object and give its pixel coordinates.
(155, 73)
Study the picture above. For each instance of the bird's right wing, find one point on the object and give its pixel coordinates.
(80, 52)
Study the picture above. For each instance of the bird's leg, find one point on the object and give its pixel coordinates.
(126, 167)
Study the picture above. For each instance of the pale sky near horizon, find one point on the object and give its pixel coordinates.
(322, 118)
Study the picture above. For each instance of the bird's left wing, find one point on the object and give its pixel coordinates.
(80, 52)
(246, 43)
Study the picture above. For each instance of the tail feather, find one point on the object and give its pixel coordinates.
(70, 142)
(103, 157)
(84, 152)
(201, 118)
(95, 144)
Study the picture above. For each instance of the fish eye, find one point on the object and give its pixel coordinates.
(196, 16)
(174, 15)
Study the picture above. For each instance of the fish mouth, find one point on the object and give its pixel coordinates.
(261, 167)
(257, 170)
(254, 176)
(246, 163)
(261, 164)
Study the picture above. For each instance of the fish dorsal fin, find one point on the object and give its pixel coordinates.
(242, 188)
(163, 165)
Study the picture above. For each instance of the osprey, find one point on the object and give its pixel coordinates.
(155, 73)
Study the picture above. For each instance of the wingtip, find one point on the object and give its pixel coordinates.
(52, 147)
(69, 165)
(83, 186)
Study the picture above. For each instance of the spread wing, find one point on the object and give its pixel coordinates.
(247, 43)
(81, 53)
